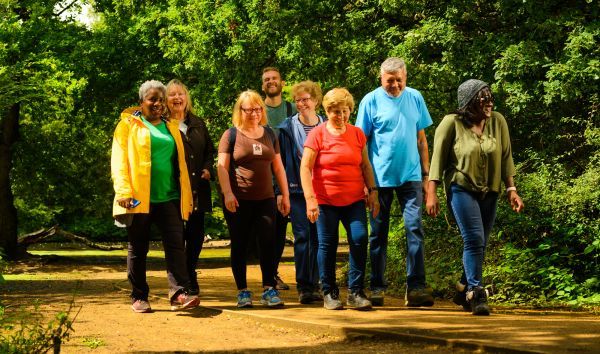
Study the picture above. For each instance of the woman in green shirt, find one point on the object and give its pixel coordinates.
(472, 154)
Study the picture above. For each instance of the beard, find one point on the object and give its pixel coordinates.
(273, 92)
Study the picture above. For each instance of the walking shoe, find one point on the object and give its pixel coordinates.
(358, 300)
(244, 299)
(281, 285)
(460, 297)
(331, 300)
(377, 297)
(418, 297)
(306, 297)
(316, 294)
(184, 301)
(271, 298)
(477, 298)
(141, 306)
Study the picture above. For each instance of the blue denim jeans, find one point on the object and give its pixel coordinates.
(306, 245)
(475, 218)
(410, 196)
(354, 219)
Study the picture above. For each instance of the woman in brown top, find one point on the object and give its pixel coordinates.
(248, 159)
(472, 154)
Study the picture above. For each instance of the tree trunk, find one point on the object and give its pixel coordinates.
(9, 130)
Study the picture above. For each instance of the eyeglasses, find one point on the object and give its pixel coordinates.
(303, 100)
(252, 110)
(486, 99)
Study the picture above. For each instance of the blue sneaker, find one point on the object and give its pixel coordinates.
(271, 298)
(244, 299)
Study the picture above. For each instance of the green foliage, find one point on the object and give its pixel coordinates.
(23, 331)
(93, 343)
(541, 59)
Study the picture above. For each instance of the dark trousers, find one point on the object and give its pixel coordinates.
(280, 231)
(193, 234)
(252, 216)
(167, 218)
(306, 245)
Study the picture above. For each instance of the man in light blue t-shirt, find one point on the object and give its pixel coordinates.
(394, 118)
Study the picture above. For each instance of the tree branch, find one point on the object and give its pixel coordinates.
(66, 8)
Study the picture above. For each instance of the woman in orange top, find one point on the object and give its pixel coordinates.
(335, 171)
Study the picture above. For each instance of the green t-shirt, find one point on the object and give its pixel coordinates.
(163, 186)
(478, 164)
(276, 115)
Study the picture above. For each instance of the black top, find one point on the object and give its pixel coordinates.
(199, 155)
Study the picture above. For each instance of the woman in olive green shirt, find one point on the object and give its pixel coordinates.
(472, 154)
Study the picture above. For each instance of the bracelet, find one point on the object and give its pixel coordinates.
(511, 189)
(371, 189)
(424, 174)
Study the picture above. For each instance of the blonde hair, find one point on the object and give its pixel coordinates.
(189, 108)
(253, 98)
(338, 96)
(310, 87)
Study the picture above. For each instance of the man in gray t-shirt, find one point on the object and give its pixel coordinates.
(277, 111)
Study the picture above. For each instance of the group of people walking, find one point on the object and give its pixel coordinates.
(283, 161)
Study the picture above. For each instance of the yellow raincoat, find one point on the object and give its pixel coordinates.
(130, 165)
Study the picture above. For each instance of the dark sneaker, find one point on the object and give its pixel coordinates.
(377, 297)
(184, 301)
(477, 298)
(271, 298)
(306, 297)
(331, 301)
(244, 299)
(358, 300)
(460, 297)
(281, 285)
(141, 306)
(316, 295)
(418, 297)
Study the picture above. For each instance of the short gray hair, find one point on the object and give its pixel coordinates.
(392, 65)
(152, 84)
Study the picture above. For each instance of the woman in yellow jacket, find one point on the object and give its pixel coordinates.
(152, 186)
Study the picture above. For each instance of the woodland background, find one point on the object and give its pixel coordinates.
(63, 84)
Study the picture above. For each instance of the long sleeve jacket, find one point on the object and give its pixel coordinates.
(131, 164)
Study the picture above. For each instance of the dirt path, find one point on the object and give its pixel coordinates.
(105, 323)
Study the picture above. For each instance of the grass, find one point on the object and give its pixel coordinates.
(207, 253)
(93, 342)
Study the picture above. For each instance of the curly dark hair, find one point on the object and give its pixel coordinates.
(472, 113)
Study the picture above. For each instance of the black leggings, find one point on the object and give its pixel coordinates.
(255, 216)
(194, 238)
(168, 219)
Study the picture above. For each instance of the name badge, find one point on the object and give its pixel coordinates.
(257, 149)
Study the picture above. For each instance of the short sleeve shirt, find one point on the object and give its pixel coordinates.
(391, 125)
(337, 176)
(276, 115)
(252, 159)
